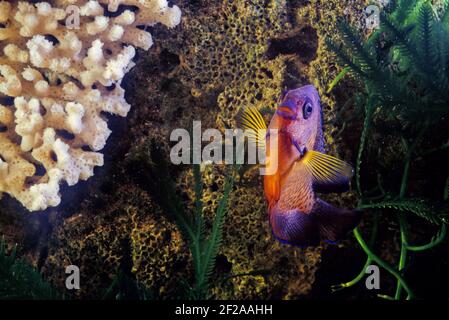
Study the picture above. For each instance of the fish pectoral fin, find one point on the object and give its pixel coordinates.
(325, 187)
(251, 120)
(328, 173)
(334, 223)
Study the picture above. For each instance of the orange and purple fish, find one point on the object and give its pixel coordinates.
(297, 215)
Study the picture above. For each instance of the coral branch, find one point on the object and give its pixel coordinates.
(62, 79)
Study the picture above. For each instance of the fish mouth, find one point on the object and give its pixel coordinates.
(287, 110)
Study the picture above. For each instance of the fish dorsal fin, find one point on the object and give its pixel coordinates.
(250, 119)
(326, 169)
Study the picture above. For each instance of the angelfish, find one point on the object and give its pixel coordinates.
(297, 216)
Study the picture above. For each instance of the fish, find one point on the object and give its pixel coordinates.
(296, 214)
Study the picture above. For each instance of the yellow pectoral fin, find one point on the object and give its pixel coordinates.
(251, 119)
(326, 169)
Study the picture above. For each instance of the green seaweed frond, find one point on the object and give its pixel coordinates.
(361, 55)
(123, 287)
(212, 244)
(419, 207)
(164, 190)
(204, 248)
(337, 79)
(403, 69)
(363, 139)
(446, 190)
(405, 64)
(445, 14)
(19, 280)
(403, 9)
(425, 29)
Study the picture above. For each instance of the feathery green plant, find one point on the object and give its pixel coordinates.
(404, 64)
(19, 280)
(123, 287)
(419, 207)
(204, 248)
(404, 70)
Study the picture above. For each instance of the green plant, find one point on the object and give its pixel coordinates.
(404, 70)
(19, 280)
(203, 247)
(123, 287)
(404, 64)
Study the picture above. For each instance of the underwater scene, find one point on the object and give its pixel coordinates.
(224, 150)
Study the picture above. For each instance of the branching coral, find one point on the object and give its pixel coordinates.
(57, 80)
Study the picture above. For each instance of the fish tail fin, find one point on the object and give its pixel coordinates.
(334, 223)
(294, 227)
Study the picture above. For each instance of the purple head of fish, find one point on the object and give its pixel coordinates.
(288, 110)
(293, 101)
(302, 110)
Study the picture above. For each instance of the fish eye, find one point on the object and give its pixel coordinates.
(307, 110)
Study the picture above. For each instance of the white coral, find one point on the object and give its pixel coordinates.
(55, 83)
